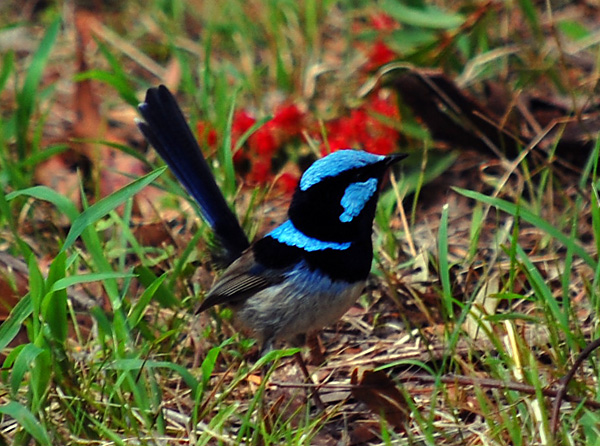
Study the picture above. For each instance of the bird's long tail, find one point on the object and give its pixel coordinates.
(166, 129)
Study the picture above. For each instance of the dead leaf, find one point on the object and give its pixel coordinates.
(58, 173)
(503, 124)
(452, 115)
(111, 168)
(381, 396)
(14, 283)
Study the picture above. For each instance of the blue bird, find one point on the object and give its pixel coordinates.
(304, 274)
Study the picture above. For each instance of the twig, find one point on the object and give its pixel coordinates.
(468, 381)
(497, 384)
(564, 382)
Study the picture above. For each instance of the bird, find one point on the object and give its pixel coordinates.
(308, 271)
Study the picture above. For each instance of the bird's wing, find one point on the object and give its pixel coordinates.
(166, 129)
(242, 279)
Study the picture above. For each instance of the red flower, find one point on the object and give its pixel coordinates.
(206, 134)
(379, 55)
(287, 182)
(242, 121)
(288, 119)
(362, 129)
(263, 142)
(384, 106)
(383, 22)
(261, 171)
(383, 145)
(337, 141)
(239, 157)
(357, 125)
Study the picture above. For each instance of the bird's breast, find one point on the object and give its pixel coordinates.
(307, 300)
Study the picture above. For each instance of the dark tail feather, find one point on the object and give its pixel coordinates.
(166, 129)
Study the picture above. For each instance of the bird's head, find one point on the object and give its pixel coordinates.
(336, 197)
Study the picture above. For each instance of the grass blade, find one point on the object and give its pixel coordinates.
(535, 220)
(11, 326)
(26, 419)
(107, 204)
(8, 63)
(26, 98)
(425, 17)
(62, 203)
(66, 282)
(444, 267)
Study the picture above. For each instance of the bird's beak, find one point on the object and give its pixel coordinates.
(394, 158)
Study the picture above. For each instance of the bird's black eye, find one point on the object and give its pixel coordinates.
(361, 176)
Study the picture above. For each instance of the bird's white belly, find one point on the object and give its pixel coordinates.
(306, 301)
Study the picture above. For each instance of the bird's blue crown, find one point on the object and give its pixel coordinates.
(336, 163)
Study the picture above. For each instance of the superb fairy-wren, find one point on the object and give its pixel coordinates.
(307, 272)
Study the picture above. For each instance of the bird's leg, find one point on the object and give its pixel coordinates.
(299, 341)
(315, 392)
(315, 348)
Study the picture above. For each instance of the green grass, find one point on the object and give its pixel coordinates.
(503, 288)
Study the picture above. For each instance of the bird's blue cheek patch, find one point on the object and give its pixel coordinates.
(289, 235)
(355, 197)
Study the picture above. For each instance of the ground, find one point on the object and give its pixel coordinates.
(478, 325)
